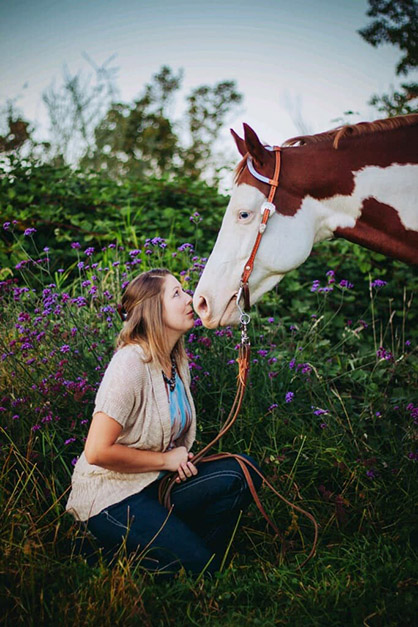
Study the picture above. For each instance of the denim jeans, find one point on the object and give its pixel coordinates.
(205, 511)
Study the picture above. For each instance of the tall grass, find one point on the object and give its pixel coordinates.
(330, 412)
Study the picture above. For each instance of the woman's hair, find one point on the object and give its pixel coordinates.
(142, 307)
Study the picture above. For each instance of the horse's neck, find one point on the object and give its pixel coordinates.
(379, 228)
(367, 189)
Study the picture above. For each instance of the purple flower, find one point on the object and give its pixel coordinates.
(273, 406)
(29, 231)
(69, 441)
(315, 285)
(383, 353)
(6, 226)
(378, 283)
(74, 461)
(289, 397)
(65, 348)
(371, 473)
(270, 320)
(323, 425)
(346, 284)
(89, 251)
(262, 352)
(292, 363)
(75, 245)
(320, 412)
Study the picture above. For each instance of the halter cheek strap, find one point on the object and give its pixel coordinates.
(267, 209)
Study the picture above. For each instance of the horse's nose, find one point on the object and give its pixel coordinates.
(201, 306)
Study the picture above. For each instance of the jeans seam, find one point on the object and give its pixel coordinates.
(198, 480)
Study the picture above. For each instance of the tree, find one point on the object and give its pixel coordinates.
(141, 138)
(396, 22)
(75, 108)
(16, 134)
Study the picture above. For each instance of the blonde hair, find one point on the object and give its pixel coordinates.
(142, 307)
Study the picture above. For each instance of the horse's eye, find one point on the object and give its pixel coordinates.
(244, 215)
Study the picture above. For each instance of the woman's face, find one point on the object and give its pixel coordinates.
(177, 308)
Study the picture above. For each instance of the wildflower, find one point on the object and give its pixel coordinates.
(46, 249)
(346, 284)
(383, 353)
(198, 323)
(273, 406)
(371, 473)
(80, 265)
(75, 245)
(292, 363)
(321, 412)
(408, 343)
(289, 397)
(29, 232)
(89, 251)
(134, 253)
(270, 320)
(69, 441)
(195, 217)
(262, 352)
(36, 427)
(6, 226)
(65, 348)
(185, 246)
(74, 461)
(315, 285)
(378, 283)
(323, 425)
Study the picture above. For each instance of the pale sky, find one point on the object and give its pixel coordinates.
(284, 54)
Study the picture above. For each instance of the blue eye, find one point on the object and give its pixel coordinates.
(244, 215)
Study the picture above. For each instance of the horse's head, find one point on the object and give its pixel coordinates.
(286, 243)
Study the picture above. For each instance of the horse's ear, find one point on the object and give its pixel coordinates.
(254, 145)
(242, 148)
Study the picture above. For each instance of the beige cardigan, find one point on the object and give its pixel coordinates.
(133, 393)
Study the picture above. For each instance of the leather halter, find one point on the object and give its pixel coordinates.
(267, 209)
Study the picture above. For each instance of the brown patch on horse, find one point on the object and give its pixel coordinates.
(349, 130)
(396, 241)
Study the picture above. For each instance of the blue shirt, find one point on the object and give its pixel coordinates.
(180, 411)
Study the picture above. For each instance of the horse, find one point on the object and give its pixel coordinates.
(358, 182)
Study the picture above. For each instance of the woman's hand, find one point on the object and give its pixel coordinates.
(186, 470)
(178, 459)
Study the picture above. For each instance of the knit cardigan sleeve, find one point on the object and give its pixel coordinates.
(121, 390)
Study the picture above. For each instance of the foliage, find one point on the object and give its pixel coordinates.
(396, 23)
(65, 204)
(329, 412)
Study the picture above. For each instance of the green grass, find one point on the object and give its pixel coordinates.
(344, 448)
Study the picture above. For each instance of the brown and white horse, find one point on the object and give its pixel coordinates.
(358, 182)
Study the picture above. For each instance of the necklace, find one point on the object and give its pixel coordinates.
(172, 381)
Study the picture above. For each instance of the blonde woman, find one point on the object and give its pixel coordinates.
(143, 426)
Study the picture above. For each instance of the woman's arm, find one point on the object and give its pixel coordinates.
(101, 449)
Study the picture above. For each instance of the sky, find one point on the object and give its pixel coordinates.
(290, 58)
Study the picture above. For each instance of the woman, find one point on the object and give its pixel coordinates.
(143, 426)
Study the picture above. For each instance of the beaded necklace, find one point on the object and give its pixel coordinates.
(171, 382)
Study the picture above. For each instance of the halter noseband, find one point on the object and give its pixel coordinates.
(267, 209)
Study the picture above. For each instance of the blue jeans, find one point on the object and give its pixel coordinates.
(205, 511)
